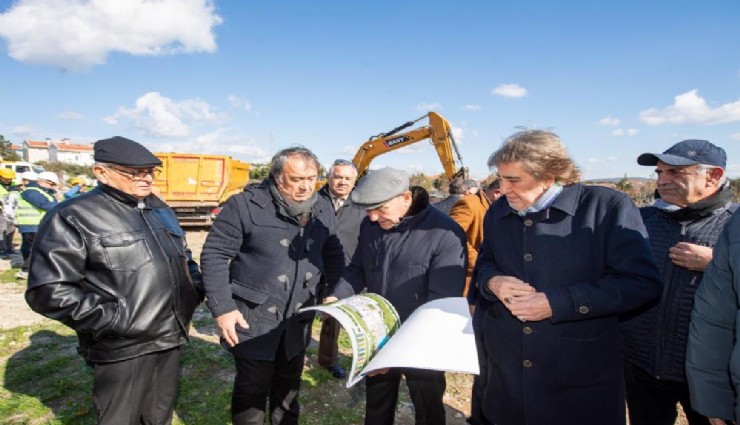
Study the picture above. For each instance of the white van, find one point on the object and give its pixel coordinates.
(21, 167)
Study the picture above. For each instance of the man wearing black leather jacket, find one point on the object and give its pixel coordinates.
(112, 264)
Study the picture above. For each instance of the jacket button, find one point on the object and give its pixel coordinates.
(309, 275)
(528, 257)
(272, 309)
(284, 242)
(528, 222)
(527, 363)
(283, 278)
(527, 330)
(583, 309)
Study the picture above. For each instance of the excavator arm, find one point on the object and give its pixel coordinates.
(439, 132)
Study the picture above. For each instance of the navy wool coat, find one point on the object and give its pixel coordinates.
(422, 259)
(588, 252)
(260, 261)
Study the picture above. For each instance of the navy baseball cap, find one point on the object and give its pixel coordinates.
(687, 152)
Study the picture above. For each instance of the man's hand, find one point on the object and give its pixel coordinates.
(690, 256)
(532, 307)
(330, 299)
(226, 324)
(508, 289)
(379, 372)
(718, 421)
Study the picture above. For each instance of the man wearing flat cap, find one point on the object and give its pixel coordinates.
(112, 264)
(683, 226)
(410, 253)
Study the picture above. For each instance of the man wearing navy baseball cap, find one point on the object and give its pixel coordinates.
(683, 227)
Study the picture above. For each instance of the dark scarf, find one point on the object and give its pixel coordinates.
(703, 208)
(300, 211)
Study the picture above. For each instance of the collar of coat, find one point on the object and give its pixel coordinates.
(260, 196)
(151, 201)
(566, 202)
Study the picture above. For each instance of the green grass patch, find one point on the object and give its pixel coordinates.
(44, 381)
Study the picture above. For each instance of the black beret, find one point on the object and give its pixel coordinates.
(122, 151)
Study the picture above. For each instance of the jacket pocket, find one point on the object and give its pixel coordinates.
(126, 251)
(178, 240)
(589, 362)
(250, 301)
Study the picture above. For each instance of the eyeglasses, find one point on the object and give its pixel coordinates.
(138, 175)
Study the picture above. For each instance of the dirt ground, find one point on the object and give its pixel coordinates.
(15, 313)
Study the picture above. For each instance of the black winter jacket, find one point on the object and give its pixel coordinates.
(655, 336)
(116, 270)
(260, 261)
(349, 218)
(422, 259)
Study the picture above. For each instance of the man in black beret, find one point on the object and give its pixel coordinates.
(112, 264)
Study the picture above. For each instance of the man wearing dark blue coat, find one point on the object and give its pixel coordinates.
(684, 225)
(560, 261)
(263, 260)
(410, 253)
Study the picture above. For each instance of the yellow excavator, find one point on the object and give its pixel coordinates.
(438, 131)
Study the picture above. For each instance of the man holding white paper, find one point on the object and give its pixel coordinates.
(410, 253)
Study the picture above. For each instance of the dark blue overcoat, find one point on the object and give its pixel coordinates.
(588, 253)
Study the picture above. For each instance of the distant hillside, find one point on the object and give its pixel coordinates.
(615, 180)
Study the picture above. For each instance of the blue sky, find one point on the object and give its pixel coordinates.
(613, 78)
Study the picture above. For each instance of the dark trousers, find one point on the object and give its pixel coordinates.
(328, 342)
(26, 245)
(259, 380)
(426, 388)
(7, 243)
(653, 401)
(137, 391)
(479, 381)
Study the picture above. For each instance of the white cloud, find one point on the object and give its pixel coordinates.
(509, 90)
(75, 35)
(23, 130)
(622, 132)
(735, 136)
(237, 102)
(691, 108)
(609, 121)
(161, 116)
(598, 160)
(426, 107)
(349, 150)
(71, 116)
(472, 107)
(220, 141)
(459, 134)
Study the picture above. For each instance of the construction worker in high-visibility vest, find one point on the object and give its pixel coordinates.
(36, 199)
(9, 194)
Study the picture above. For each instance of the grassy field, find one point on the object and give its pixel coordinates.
(44, 381)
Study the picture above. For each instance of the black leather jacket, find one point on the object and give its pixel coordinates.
(117, 271)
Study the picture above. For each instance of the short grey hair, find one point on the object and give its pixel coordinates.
(706, 167)
(277, 164)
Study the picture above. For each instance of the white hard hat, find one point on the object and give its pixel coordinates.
(29, 175)
(49, 176)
